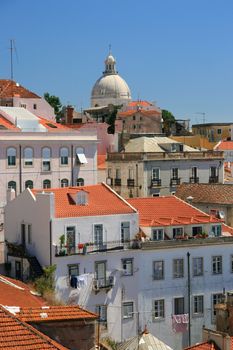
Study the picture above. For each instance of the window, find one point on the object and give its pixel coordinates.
(198, 305)
(11, 156)
(219, 131)
(80, 181)
(98, 235)
(28, 156)
(12, 184)
(118, 173)
(156, 194)
(127, 266)
(196, 230)
(64, 183)
(23, 105)
(29, 234)
(178, 268)
(34, 106)
(158, 270)
(194, 172)
(46, 155)
(80, 154)
(110, 172)
(175, 173)
(178, 231)
(101, 310)
(46, 183)
(216, 230)
(158, 309)
(217, 265)
(155, 174)
(179, 306)
(29, 184)
(198, 266)
(73, 270)
(131, 174)
(213, 171)
(216, 299)
(64, 154)
(128, 310)
(157, 234)
(125, 231)
(70, 239)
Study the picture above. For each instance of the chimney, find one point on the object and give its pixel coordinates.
(10, 194)
(69, 114)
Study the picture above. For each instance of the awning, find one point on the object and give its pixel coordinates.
(81, 158)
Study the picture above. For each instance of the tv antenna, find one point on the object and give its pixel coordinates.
(12, 49)
(203, 116)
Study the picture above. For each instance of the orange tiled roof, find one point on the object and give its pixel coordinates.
(202, 346)
(54, 313)
(224, 146)
(101, 201)
(206, 193)
(101, 161)
(10, 87)
(151, 112)
(15, 334)
(139, 103)
(167, 211)
(52, 126)
(10, 295)
(6, 124)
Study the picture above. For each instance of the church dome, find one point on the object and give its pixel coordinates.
(110, 88)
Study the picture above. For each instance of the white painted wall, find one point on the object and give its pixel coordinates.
(43, 108)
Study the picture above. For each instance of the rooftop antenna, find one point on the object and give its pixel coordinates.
(203, 116)
(109, 49)
(12, 48)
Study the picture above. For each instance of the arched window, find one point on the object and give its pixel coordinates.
(11, 156)
(64, 153)
(64, 183)
(12, 184)
(46, 183)
(80, 182)
(46, 155)
(28, 156)
(80, 154)
(29, 184)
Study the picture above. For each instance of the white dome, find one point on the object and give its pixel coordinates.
(110, 88)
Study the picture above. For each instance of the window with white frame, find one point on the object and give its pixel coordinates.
(216, 230)
(198, 305)
(28, 156)
(128, 309)
(177, 231)
(175, 173)
(12, 184)
(70, 239)
(11, 156)
(29, 184)
(98, 235)
(178, 268)
(216, 299)
(127, 266)
(158, 309)
(179, 306)
(47, 183)
(125, 231)
(194, 172)
(198, 266)
(46, 159)
(213, 171)
(80, 181)
(196, 230)
(155, 173)
(64, 183)
(131, 174)
(118, 173)
(217, 265)
(64, 156)
(158, 270)
(157, 234)
(73, 270)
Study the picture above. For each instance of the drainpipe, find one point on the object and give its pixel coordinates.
(137, 179)
(50, 243)
(189, 304)
(20, 169)
(72, 165)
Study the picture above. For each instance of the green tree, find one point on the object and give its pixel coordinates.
(45, 283)
(168, 120)
(55, 102)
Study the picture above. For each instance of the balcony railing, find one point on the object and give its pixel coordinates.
(155, 182)
(175, 182)
(103, 283)
(213, 179)
(194, 180)
(117, 182)
(130, 182)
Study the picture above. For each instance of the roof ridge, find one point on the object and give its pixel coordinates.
(117, 195)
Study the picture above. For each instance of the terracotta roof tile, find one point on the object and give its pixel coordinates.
(10, 87)
(206, 193)
(15, 334)
(202, 346)
(6, 124)
(54, 313)
(139, 103)
(224, 146)
(151, 113)
(166, 211)
(102, 200)
(52, 126)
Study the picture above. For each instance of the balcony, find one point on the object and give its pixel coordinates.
(213, 179)
(194, 180)
(175, 182)
(103, 284)
(117, 182)
(156, 182)
(130, 182)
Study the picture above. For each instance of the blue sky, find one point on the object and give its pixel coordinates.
(178, 53)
